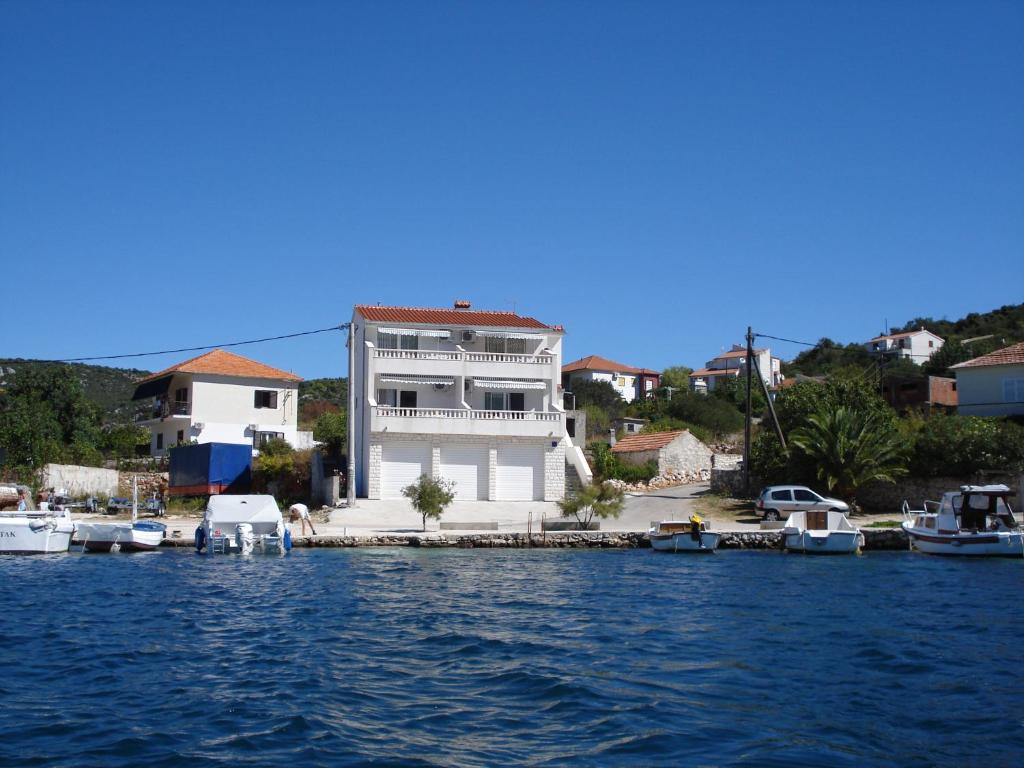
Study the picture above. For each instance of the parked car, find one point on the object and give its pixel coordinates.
(776, 502)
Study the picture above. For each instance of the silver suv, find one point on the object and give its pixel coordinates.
(776, 502)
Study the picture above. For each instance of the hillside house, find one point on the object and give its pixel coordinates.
(916, 346)
(221, 397)
(467, 395)
(993, 384)
(629, 382)
(923, 393)
(734, 363)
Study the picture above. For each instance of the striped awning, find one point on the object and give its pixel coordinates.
(416, 332)
(511, 335)
(509, 384)
(399, 378)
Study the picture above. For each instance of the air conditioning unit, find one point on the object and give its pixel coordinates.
(469, 335)
(198, 426)
(439, 387)
(254, 427)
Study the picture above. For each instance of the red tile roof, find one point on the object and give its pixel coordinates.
(736, 353)
(221, 363)
(466, 317)
(651, 441)
(903, 335)
(1012, 355)
(598, 363)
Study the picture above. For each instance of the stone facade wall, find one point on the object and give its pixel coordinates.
(150, 483)
(554, 472)
(80, 481)
(889, 497)
(686, 455)
(730, 481)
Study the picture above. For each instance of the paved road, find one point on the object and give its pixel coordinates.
(668, 504)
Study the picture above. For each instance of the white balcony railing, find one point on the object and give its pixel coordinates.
(464, 413)
(459, 356)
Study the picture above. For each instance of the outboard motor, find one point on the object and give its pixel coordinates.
(244, 538)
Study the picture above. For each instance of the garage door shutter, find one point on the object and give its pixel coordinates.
(400, 465)
(520, 474)
(467, 466)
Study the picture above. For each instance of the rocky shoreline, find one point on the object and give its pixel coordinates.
(891, 539)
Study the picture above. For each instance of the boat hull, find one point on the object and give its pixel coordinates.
(101, 537)
(684, 542)
(823, 542)
(987, 544)
(34, 536)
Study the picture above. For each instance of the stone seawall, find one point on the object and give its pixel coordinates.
(874, 540)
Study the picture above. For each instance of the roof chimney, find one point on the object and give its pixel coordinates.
(462, 304)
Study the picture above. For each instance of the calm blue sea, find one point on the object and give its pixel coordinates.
(485, 658)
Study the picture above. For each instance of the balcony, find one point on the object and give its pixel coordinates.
(163, 411)
(454, 362)
(463, 421)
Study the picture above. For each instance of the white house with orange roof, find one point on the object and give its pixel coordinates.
(221, 397)
(630, 383)
(467, 395)
(916, 346)
(734, 363)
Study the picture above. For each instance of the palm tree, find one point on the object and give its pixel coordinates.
(851, 448)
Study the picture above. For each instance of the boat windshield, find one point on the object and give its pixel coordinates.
(981, 511)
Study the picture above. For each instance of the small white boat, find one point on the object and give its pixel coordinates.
(35, 532)
(975, 521)
(821, 532)
(242, 524)
(683, 536)
(119, 535)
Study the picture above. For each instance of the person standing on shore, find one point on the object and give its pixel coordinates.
(300, 512)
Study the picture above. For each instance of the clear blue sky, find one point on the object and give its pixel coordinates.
(654, 176)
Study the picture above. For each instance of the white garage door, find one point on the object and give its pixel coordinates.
(400, 465)
(520, 474)
(467, 466)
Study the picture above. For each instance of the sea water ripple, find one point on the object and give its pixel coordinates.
(479, 658)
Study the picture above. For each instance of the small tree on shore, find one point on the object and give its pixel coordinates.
(601, 500)
(430, 496)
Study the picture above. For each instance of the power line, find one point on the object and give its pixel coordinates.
(790, 341)
(340, 327)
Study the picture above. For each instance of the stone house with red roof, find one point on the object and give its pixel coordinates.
(993, 384)
(467, 395)
(677, 453)
(221, 397)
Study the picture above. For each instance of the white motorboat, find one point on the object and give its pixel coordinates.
(683, 536)
(242, 524)
(821, 532)
(35, 532)
(119, 535)
(975, 521)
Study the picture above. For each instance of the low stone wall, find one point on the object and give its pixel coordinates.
(149, 483)
(874, 540)
(730, 482)
(889, 497)
(80, 481)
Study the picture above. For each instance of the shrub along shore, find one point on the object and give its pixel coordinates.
(874, 540)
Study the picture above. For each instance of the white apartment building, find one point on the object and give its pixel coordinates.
(734, 363)
(221, 397)
(467, 395)
(916, 346)
(630, 383)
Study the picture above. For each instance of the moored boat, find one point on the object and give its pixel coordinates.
(35, 532)
(821, 532)
(975, 521)
(242, 524)
(684, 536)
(120, 535)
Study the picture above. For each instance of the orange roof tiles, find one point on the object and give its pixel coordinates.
(651, 441)
(735, 353)
(1011, 355)
(221, 363)
(598, 363)
(468, 317)
(903, 335)
(716, 372)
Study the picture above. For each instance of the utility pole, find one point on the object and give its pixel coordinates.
(350, 486)
(746, 424)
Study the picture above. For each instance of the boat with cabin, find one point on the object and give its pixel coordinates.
(975, 521)
(242, 524)
(35, 531)
(821, 532)
(683, 536)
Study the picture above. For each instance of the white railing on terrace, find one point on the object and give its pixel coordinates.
(463, 413)
(456, 355)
